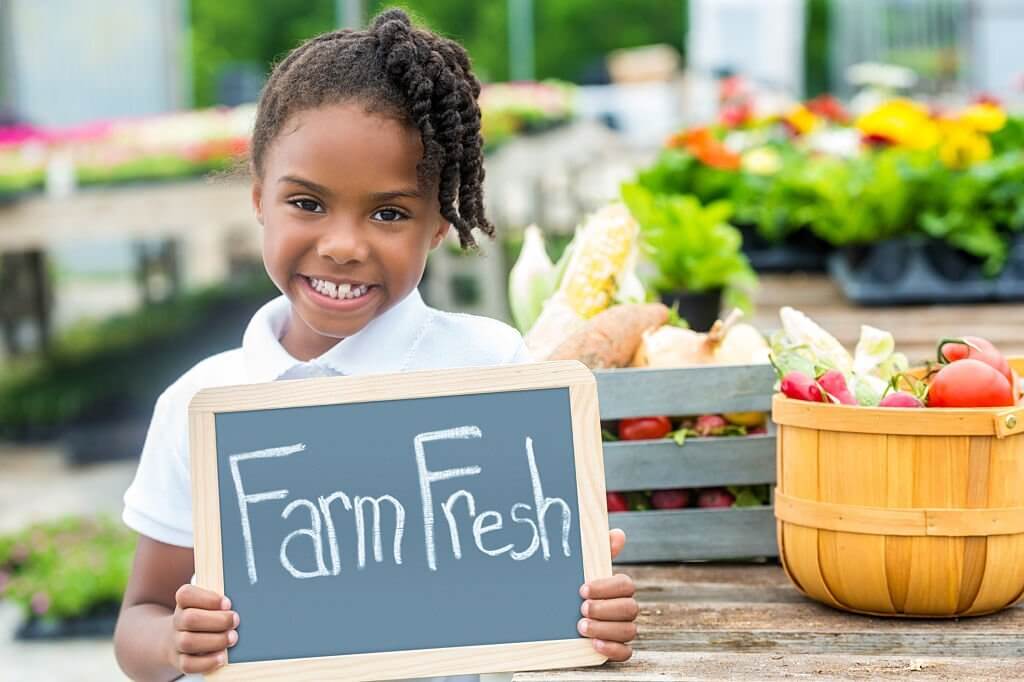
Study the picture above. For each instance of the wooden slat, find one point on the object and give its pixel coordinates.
(680, 666)
(696, 534)
(972, 421)
(688, 391)
(699, 462)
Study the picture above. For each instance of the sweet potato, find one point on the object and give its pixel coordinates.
(611, 337)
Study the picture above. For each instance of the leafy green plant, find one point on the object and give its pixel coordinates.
(693, 247)
(67, 568)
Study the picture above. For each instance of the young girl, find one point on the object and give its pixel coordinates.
(366, 151)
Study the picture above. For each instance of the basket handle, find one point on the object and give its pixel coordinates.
(1009, 422)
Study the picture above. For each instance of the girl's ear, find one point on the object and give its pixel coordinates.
(440, 234)
(257, 200)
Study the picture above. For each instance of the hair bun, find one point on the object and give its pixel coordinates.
(393, 14)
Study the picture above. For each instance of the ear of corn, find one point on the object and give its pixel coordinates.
(605, 249)
(602, 258)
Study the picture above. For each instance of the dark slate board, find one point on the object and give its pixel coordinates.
(367, 449)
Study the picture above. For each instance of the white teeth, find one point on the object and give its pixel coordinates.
(342, 291)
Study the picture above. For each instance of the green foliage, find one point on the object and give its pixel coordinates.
(817, 79)
(570, 35)
(853, 201)
(693, 247)
(68, 567)
(871, 197)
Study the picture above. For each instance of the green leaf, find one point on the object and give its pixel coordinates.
(692, 246)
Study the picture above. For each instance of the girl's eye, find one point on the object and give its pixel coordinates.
(389, 215)
(307, 205)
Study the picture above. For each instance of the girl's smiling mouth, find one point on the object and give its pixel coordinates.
(346, 295)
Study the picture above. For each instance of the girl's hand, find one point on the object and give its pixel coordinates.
(609, 610)
(203, 629)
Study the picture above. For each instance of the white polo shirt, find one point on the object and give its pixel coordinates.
(409, 336)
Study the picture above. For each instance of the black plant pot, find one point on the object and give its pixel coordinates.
(115, 438)
(99, 622)
(700, 309)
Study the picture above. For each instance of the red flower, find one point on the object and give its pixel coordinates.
(702, 143)
(829, 107)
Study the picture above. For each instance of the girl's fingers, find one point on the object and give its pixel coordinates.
(191, 665)
(192, 597)
(610, 632)
(615, 651)
(618, 541)
(198, 643)
(198, 620)
(619, 585)
(622, 609)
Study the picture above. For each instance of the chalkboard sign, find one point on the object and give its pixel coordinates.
(396, 526)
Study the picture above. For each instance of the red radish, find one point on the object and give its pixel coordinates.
(969, 383)
(975, 348)
(900, 399)
(799, 386)
(617, 502)
(670, 499)
(715, 498)
(834, 384)
(710, 425)
(757, 431)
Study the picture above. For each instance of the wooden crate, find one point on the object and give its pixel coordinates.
(690, 534)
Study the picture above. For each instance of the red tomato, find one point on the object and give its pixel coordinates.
(617, 502)
(975, 348)
(644, 428)
(969, 383)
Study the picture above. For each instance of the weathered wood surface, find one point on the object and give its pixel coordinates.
(681, 392)
(699, 462)
(697, 534)
(917, 328)
(747, 622)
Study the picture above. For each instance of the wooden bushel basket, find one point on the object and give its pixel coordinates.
(899, 512)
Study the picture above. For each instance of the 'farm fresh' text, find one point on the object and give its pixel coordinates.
(365, 512)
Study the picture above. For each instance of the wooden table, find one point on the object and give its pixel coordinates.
(747, 622)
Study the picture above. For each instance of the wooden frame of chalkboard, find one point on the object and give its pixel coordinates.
(453, 660)
(691, 534)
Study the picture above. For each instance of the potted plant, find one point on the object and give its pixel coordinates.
(695, 252)
(68, 576)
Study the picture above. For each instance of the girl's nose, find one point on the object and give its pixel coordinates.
(344, 243)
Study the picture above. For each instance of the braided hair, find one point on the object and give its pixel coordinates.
(396, 69)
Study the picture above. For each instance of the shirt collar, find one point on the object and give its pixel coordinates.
(387, 344)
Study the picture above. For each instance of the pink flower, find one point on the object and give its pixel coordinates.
(40, 603)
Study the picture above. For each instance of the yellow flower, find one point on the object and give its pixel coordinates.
(901, 122)
(985, 118)
(762, 161)
(801, 119)
(963, 146)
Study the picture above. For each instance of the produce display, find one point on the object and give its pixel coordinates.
(812, 366)
(902, 168)
(590, 306)
(679, 430)
(160, 147)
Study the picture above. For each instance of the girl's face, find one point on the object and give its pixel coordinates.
(347, 227)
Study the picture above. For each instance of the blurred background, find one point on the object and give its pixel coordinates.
(869, 151)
